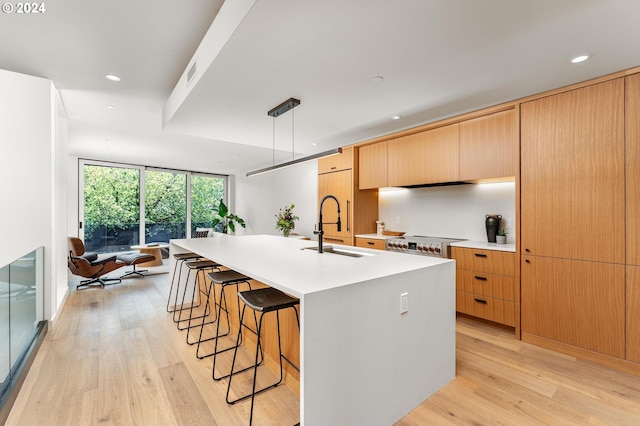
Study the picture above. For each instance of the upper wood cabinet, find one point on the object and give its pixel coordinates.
(632, 127)
(373, 166)
(572, 174)
(336, 162)
(426, 157)
(489, 146)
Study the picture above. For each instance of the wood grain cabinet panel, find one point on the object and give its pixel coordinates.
(572, 174)
(491, 261)
(426, 157)
(337, 162)
(496, 310)
(372, 243)
(489, 146)
(359, 208)
(373, 166)
(580, 303)
(633, 314)
(632, 128)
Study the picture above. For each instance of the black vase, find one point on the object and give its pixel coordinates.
(492, 223)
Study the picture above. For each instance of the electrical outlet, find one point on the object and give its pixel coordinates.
(404, 303)
(509, 223)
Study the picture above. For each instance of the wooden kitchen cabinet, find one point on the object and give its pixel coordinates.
(633, 314)
(372, 243)
(489, 146)
(632, 128)
(431, 156)
(572, 174)
(486, 284)
(337, 162)
(358, 208)
(373, 166)
(574, 302)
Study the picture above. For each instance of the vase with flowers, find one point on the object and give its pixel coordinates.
(286, 220)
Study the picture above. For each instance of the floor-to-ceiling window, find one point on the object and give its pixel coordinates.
(123, 205)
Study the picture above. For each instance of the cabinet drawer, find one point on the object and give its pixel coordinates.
(336, 239)
(337, 162)
(372, 243)
(500, 311)
(491, 261)
(491, 285)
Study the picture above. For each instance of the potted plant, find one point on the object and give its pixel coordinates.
(286, 220)
(501, 237)
(225, 220)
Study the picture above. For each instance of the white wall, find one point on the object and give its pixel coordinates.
(259, 198)
(29, 173)
(448, 211)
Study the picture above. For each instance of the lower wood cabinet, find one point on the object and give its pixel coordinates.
(579, 303)
(485, 284)
(372, 243)
(633, 314)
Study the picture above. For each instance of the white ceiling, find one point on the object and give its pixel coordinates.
(438, 58)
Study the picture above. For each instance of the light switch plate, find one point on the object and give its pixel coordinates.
(404, 303)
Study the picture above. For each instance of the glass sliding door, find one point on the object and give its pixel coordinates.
(123, 205)
(206, 193)
(165, 205)
(111, 221)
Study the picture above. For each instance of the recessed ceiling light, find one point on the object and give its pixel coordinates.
(314, 144)
(396, 117)
(579, 59)
(111, 107)
(377, 79)
(112, 77)
(235, 156)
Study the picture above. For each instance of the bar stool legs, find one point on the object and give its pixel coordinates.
(180, 258)
(262, 300)
(198, 267)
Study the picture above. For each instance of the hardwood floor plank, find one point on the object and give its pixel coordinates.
(185, 399)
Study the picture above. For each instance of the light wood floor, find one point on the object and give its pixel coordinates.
(115, 358)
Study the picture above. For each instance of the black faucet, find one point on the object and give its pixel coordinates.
(338, 224)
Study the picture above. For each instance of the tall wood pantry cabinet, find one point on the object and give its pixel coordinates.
(573, 218)
(338, 176)
(632, 150)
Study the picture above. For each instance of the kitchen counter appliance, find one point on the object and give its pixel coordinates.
(421, 245)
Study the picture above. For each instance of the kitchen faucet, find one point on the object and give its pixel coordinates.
(338, 224)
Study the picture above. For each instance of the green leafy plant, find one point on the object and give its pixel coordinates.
(286, 220)
(224, 220)
(502, 233)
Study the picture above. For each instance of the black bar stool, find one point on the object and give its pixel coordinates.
(262, 300)
(180, 259)
(199, 267)
(225, 279)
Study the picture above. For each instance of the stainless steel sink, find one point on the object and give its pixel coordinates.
(340, 251)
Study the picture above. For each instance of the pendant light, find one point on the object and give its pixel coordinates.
(275, 112)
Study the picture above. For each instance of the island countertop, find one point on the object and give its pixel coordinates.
(363, 359)
(282, 262)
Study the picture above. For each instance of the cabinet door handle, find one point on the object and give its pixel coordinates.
(480, 254)
(479, 278)
(527, 261)
(348, 208)
(333, 168)
(370, 243)
(484, 302)
(527, 250)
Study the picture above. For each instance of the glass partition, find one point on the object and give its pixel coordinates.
(21, 309)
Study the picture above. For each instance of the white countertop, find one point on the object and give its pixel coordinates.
(483, 245)
(281, 262)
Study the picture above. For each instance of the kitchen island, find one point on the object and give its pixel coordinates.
(362, 360)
